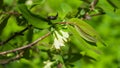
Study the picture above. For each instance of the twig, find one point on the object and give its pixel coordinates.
(60, 65)
(18, 56)
(16, 34)
(11, 13)
(93, 3)
(25, 46)
(87, 16)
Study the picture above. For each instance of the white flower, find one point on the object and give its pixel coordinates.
(59, 39)
(29, 2)
(48, 64)
(65, 35)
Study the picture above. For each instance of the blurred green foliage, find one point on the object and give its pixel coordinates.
(15, 15)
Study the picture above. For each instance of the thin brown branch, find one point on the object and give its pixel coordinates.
(60, 65)
(25, 46)
(11, 13)
(87, 16)
(18, 56)
(93, 3)
(16, 34)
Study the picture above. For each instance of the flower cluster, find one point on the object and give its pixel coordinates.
(60, 38)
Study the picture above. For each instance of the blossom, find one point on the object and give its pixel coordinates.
(60, 38)
(29, 2)
(48, 64)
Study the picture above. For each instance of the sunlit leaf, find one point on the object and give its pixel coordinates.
(3, 22)
(86, 31)
(76, 39)
(64, 10)
(108, 9)
(81, 44)
(10, 28)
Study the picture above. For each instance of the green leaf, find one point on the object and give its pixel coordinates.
(75, 57)
(3, 22)
(76, 39)
(84, 35)
(85, 31)
(108, 9)
(81, 44)
(114, 3)
(33, 19)
(63, 10)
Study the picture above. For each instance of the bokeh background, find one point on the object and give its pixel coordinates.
(107, 25)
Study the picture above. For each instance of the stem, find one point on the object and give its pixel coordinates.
(16, 34)
(26, 46)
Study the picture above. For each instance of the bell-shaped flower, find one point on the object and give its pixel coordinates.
(60, 38)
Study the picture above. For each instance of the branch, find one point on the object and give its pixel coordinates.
(93, 3)
(18, 56)
(11, 13)
(16, 34)
(26, 46)
(87, 16)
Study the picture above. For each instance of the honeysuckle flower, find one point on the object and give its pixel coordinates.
(60, 39)
(48, 64)
(29, 2)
